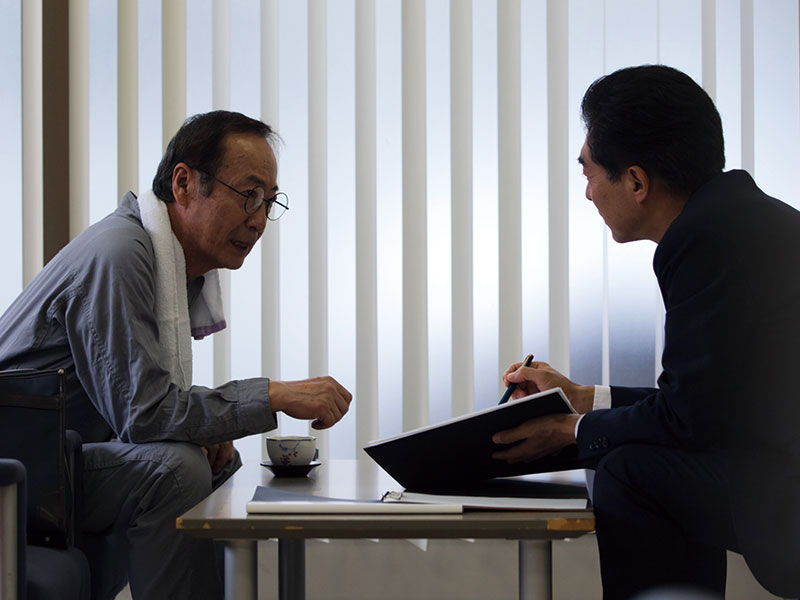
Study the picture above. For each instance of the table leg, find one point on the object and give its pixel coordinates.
(535, 570)
(241, 570)
(291, 569)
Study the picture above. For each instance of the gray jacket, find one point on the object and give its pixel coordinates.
(90, 311)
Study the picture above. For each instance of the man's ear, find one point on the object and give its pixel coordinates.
(638, 183)
(181, 181)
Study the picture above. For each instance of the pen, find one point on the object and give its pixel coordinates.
(510, 389)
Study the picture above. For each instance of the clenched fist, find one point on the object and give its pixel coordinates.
(322, 400)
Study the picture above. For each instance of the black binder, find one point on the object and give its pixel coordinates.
(459, 450)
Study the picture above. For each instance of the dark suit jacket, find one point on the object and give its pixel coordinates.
(729, 272)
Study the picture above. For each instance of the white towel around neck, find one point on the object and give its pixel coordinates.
(176, 325)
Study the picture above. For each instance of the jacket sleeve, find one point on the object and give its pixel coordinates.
(625, 396)
(113, 334)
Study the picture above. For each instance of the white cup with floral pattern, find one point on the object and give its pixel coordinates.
(292, 450)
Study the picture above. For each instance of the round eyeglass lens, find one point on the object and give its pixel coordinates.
(277, 206)
(255, 198)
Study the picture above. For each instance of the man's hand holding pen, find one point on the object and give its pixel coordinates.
(540, 376)
(546, 435)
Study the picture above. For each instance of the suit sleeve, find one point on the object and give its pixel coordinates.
(626, 396)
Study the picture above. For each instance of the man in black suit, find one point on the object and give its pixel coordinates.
(710, 459)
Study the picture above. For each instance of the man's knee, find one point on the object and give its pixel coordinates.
(123, 481)
(174, 476)
(652, 475)
(616, 473)
(186, 468)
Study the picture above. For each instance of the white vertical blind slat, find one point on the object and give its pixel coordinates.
(317, 187)
(485, 182)
(127, 98)
(558, 178)
(509, 116)
(388, 93)
(709, 59)
(270, 241)
(78, 116)
(415, 266)
(366, 223)
(748, 88)
(220, 54)
(173, 67)
(32, 142)
(318, 198)
(461, 181)
(220, 100)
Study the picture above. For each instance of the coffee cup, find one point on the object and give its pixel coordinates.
(292, 450)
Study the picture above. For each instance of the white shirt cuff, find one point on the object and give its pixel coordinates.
(602, 399)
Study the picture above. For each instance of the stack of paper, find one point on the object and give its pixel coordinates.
(267, 500)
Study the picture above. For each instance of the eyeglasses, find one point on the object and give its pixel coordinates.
(254, 198)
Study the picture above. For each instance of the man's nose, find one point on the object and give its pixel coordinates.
(588, 192)
(258, 220)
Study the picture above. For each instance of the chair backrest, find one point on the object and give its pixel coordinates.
(32, 419)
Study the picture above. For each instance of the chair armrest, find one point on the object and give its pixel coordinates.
(12, 521)
(11, 471)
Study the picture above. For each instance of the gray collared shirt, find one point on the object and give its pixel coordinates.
(91, 312)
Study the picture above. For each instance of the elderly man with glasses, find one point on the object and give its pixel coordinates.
(116, 309)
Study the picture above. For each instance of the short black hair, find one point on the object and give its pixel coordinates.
(658, 118)
(199, 144)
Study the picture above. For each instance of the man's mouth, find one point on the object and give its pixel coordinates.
(240, 245)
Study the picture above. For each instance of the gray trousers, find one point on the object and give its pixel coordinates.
(132, 495)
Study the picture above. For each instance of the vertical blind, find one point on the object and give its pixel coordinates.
(438, 228)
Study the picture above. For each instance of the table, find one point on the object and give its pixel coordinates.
(223, 516)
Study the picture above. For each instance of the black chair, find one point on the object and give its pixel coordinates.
(40, 491)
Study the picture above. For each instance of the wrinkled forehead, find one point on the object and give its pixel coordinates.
(250, 156)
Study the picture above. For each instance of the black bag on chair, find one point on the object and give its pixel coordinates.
(32, 419)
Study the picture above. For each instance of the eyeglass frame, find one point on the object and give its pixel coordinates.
(247, 194)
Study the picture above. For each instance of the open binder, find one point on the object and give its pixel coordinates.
(459, 450)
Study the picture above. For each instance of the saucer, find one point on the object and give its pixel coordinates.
(291, 470)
